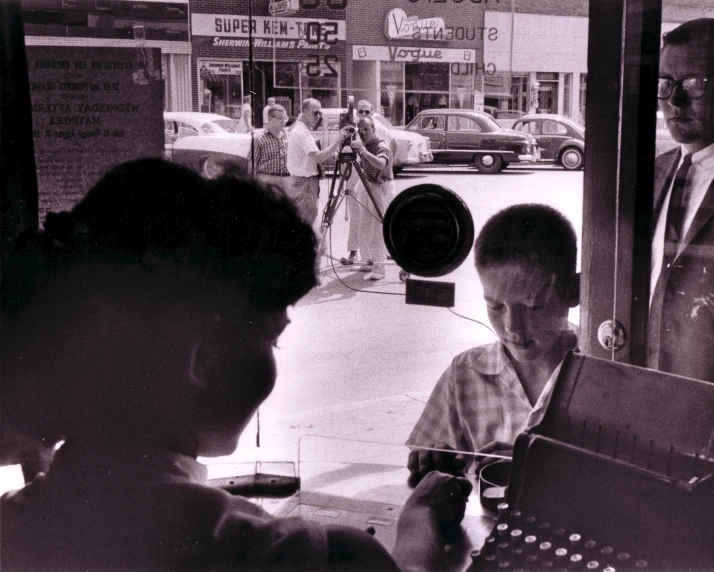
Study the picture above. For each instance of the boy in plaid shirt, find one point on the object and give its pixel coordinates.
(526, 260)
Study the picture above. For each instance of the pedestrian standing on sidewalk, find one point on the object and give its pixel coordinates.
(266, 110)
(268, 155)
(245, 124)
(376, 162)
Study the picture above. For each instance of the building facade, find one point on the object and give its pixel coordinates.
(406, 57)
(402, 55)
(298, 51)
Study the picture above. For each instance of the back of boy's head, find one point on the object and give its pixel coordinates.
(533, 235)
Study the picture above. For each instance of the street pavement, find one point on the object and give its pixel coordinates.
(357, 363)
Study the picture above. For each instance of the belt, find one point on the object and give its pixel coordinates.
(276, 174)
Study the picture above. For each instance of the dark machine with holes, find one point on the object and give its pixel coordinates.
(617, 476)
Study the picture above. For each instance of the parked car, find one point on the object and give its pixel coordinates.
(411, 148)
(663, 141)
(504, 117)
(460, 136)
(205, 142)
(559, 138)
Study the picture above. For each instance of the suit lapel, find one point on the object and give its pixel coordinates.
(704, 214)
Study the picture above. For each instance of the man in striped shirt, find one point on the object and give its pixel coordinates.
(267, 158)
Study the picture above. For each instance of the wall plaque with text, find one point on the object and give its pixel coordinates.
(92, 108)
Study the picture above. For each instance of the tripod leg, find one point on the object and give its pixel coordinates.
(334, 201)
(367, 188)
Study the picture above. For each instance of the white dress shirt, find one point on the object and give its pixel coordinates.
(699, 178)
(300, 144)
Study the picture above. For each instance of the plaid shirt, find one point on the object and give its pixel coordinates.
(378, 148)
(270, 153)
(479, 399)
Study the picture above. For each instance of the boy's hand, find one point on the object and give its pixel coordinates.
(494, 448)
(421, 462)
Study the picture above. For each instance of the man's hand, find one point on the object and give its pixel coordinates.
(431, 516)
(345, 133)
(421, 462)
(357, 145)
(445, 497)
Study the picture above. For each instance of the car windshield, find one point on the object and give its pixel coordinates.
(220, 126)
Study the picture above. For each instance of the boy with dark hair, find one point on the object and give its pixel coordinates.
(526, 260)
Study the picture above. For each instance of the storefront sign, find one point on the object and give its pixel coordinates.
(286, 7)
(201, 42)
(399, 25)
(92, 108)
(221, 68)
(312, 31)
(412, 54)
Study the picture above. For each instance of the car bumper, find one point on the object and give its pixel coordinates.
(424, 157)
(531, 158)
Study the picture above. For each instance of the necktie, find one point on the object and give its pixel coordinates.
(674, 231)
(673, 235)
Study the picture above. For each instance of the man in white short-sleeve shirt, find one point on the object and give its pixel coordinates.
(303, 158)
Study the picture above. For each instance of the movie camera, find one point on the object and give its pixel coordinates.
(347, 119)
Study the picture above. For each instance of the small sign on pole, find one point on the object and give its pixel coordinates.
(283, 7)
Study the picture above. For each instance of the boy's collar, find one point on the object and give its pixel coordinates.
(492, 360)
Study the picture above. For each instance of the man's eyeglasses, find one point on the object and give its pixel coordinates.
(694, 87)
(364, 112)
(317, 113)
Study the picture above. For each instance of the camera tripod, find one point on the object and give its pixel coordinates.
(346, 161)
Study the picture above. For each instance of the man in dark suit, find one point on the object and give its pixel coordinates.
(681, 326)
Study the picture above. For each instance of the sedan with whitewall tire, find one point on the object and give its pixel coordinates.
(463, 136)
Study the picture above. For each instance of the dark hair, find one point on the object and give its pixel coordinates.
(531, 234)
(150, 212)
(151, 239)
(700, 30)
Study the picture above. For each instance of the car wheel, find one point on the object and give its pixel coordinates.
(212, 167)
(571, 158)
(488, 163)
(396, 169)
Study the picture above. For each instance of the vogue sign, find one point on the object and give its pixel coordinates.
(399, 25)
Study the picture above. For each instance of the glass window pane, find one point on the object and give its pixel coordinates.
(680, 316)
